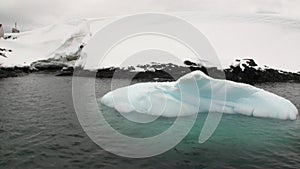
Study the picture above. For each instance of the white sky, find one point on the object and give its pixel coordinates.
(35, 13)
(31, 14)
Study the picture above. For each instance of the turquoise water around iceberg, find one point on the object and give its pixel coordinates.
(239, 142)
(39, 129)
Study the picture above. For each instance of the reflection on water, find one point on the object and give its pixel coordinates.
(39, 129)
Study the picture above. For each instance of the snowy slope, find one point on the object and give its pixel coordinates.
(43, 43)
(48, 42)
(269, 39)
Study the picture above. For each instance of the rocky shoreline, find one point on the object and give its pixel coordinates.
(245, 71)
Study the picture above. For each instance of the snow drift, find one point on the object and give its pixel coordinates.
(166, 99)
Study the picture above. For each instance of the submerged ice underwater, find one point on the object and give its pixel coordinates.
(201, 92)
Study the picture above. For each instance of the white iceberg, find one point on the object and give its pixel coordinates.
(215, 95)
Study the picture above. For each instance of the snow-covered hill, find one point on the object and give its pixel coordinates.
(269, 39)
(52, 41)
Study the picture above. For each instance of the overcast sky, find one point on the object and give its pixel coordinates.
(32, 14)
(35, 13)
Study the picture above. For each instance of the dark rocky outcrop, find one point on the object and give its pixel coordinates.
(245, 71)
(3, 51)
(249, 72)
(13, 71)
(10, 37)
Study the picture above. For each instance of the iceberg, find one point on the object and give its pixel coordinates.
(197, 91)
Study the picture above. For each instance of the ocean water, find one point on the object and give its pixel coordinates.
(39, 129)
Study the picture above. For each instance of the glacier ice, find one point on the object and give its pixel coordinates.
(166, 98)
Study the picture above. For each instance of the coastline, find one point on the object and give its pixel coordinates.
(163, 72)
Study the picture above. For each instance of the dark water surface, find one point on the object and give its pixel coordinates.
(39, 129)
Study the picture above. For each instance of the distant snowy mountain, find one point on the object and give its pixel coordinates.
(269, 39)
